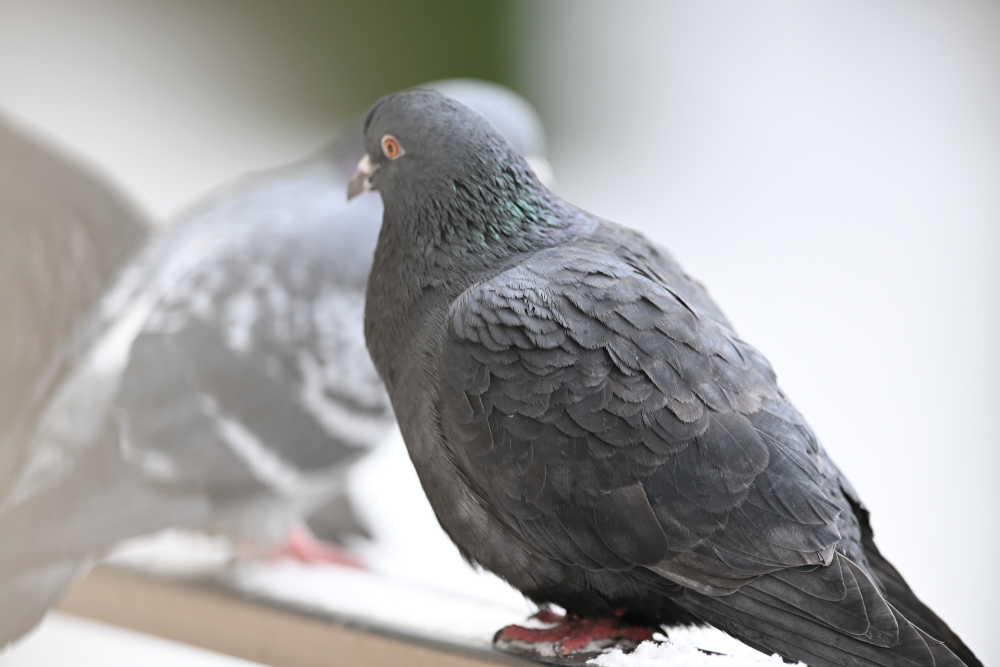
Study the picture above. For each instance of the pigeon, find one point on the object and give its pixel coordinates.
(66, 237)
(251, 371)
(587, 425)
(224, 384)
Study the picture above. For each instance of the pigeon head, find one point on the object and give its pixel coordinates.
(417, 140)
(445, 172)
(510, 113)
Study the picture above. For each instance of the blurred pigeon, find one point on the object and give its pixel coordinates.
(586, 423)
(229, 387)
(65, 237)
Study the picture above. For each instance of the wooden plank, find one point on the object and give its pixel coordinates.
(212, 617)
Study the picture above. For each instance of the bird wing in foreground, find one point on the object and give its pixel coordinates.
(66, 235)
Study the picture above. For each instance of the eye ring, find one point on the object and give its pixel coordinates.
(391, 147)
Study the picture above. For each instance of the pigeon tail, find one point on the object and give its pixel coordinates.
(817, 631)
(900, 596)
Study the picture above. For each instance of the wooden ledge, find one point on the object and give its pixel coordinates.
(209, 615)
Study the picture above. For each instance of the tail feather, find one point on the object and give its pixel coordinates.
(772, 630)
(943, 655)
(807, 629)
(899, 595)
(860, 612)
(898, 592)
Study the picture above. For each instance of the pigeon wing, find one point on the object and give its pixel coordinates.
(576, 390)
(251, 368)
(614, 424)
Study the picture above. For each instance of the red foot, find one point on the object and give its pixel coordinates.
(303, 546)
(570, 634)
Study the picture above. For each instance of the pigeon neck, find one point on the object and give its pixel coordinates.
(421, 264)
(474, 223)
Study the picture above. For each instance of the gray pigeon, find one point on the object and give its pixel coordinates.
(587, 425)
(227, 386)
(65, 237)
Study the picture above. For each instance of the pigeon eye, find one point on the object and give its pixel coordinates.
(391, 147)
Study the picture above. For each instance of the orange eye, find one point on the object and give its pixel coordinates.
(391, 147)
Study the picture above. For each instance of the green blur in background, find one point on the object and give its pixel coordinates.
(344, 55)
(171, 98)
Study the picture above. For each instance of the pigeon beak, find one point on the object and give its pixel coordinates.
(361, 181)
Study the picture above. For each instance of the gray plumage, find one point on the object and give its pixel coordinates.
(223, 383)
(229, 386)
(587, 424)
(64, 237)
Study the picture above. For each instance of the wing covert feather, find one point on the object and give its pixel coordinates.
(606, 417)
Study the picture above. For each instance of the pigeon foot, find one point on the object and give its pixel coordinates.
(303, 546)
(564, 635)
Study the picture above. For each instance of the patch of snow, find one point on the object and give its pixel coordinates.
(681, 652)
(711, 639)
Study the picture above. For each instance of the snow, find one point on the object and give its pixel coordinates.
(681, 652)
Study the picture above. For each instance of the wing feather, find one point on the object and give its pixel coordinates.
(606, 412)
(632, 391)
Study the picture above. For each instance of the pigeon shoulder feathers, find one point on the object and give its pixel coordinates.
(584, 397)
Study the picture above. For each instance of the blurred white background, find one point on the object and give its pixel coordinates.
(830, 170)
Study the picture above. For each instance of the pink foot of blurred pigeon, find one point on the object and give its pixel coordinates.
(303, 546)
(298, 544)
